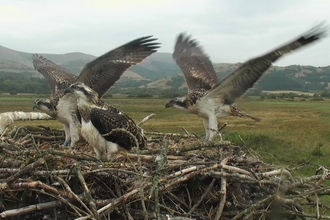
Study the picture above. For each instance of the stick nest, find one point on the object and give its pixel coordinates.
(175, 177)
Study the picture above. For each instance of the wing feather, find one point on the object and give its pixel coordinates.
(196, 66)
(57, 77)
(102, 73)
(111, 118)
(238, 82)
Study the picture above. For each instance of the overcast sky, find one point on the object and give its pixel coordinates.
(230, 31)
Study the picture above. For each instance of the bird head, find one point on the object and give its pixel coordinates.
(44, 105)
(177, 102)
(82, 92)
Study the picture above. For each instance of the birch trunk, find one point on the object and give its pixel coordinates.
(7, 118)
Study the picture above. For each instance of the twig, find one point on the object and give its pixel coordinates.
(30, 208)
(23, 171)
(325, 174)
(277, 172)
(254, 206)
(8, 146)
(185, 131)
(145, 119)
(199, 146)
(317, 207)
(202, 197)
(67, 187)
(87, 194)
(160, 161)
(178, 200)
(223, 191)
(222, 127)
(167, 134)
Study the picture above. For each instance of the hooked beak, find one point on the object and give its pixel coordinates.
(67, 90)
(168, 105)
(35, 106)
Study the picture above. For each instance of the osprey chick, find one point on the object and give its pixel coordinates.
(99, 74)
(104, 127)
(209, 98)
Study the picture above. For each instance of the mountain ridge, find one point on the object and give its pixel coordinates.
(159, 70)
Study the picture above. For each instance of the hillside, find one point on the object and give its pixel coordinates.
(156, 66)
(160, 71)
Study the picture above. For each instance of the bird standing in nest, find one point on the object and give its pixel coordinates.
(99, 74)
(104, 127)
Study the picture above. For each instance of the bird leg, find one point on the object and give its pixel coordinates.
(206, 127)
(212, 127)
(74, 134)
(67, 135)
(237, 112)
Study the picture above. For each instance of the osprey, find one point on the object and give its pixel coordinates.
(209, 98)
(99, 74)
(104, 127)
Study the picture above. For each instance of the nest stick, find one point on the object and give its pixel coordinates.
(25, 170)
(202, 197)
(145, 119)
(223, 191)
(88, 194)
(30, 208)
(67, 187)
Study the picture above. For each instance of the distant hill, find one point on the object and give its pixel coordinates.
(154, 67)
(160, 71)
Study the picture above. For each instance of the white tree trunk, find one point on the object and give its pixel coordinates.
(7, 118)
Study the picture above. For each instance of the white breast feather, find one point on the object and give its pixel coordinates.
(206, 107)
(67, 104)
(210, 106)
(94, 138)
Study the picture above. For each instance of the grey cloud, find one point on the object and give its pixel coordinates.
(229, 31)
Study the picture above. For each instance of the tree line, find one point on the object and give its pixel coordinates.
(24, 82)
(14, 83)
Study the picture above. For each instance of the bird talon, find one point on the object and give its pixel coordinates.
(66, 143)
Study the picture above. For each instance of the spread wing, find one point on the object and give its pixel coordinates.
(107, 120)
(238, 82)
(57, 77)
(196, 66)
(101, 73)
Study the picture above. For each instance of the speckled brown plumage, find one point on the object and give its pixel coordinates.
(209, 98)
(193, 96)
(106, 118)
(200, 74)
(99, 74)
(115, 118)
(58, 78)
(196, 66)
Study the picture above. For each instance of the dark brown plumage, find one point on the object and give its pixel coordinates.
(102, 73)
(196, 66)
(104, 127)
(58, 78)
(123, 128)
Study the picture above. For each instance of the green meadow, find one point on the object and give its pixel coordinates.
(291, 134)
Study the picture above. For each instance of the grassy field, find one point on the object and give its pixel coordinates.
(290, 133)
